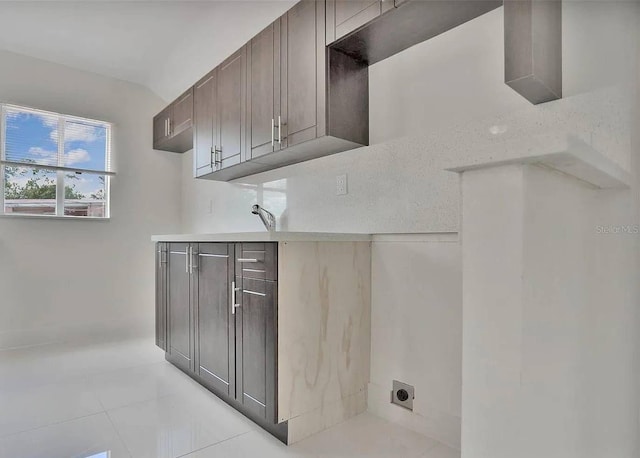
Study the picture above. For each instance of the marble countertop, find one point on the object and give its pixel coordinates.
(265, 237)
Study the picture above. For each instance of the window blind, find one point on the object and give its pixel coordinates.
(53, 141)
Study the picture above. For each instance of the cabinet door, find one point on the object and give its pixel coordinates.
(303, 73)
(161, 126)
(256, 346)
(215, 331)
(232, 107)
(161, 295)
(180, 341)
(263, 93)
(352, 14)
(205, 124)
(182, 113)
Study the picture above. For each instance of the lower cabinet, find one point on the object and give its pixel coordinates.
(161, 295)
(180, 344)
(221, 327)
(281, 331)
(256, 346)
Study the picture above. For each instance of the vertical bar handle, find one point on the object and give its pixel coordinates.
(273, 133)
(233, 298)
(186, 260)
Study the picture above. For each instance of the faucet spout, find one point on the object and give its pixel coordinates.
(265, 216)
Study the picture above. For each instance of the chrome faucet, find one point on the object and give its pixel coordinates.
(266, 217)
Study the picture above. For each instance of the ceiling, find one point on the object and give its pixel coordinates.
(163, 45)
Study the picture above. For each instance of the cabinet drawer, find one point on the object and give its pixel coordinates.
(257, 260)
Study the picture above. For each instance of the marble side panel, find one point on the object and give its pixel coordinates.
(324, 329)
(327, 416)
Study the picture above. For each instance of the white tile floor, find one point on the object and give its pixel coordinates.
(115, 400)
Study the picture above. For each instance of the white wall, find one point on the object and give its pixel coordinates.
(416, 331)
(65, 279)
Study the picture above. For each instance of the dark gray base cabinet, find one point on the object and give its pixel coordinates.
(216, 319)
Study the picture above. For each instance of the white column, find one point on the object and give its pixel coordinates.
(492, 260)
(551, 314)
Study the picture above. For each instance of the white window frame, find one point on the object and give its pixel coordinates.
(60, 169)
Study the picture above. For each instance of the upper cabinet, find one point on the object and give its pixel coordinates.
(263, 87)
(286, 82)
(345, 16)
(272, 104)
(371, 31)
(232, 100)
(205, 132)
(172, 128)
(300, 88)
(220, 116)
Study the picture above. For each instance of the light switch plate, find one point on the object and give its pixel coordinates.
(341, 185)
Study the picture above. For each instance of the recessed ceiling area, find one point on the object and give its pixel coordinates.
(163, 45)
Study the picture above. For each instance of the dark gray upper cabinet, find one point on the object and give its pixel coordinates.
(287, 82)
(179, 306)
(182, 116)
(300, 89)
(161, 127)
(349, 15)
(205, 140)
(221, 139)
(390, 30)
(263, 91)
(290, 113)
(215, 333)
(173, 127)
(231, 100)
(303, 75)
(161, 295)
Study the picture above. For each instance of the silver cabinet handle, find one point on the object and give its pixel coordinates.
(233, 298)
(279, 130)
(192, 265)
(186, 261)
(247, 260)
(217, 155)
(273, 133)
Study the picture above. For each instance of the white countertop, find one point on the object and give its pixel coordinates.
(265, 237)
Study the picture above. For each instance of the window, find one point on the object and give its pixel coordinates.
(53, 164)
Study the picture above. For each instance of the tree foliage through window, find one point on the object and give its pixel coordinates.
(39, 184)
